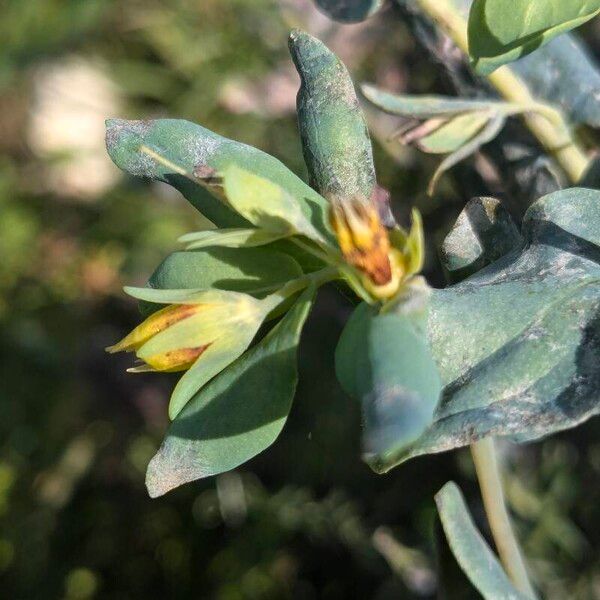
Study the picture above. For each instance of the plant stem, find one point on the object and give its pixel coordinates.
(555, 137)
(488, 474)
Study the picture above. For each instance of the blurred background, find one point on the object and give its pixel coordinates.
(306, 519)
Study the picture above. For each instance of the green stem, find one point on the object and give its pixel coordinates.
(488, 474)
(292, 287)
(554, 136)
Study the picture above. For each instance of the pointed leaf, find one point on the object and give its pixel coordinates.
(454, 134)
(470, 549)
(487, 134)
(266, 205)
(335, 139)
(517, 343)
(237, 415)
(424, 106)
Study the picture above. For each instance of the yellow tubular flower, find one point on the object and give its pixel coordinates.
(365, 244)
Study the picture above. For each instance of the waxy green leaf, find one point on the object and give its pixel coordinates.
(238, 414)
(335, 139)
(471, 551)
(517, 344)
(426, 106)
(191, 148)
(384, 361)
(500, 32)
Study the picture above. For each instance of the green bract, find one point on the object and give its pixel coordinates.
(501, 31)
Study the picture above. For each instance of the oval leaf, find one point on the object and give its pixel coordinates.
(190, 147)
(517, 343)
(335, 139)
(384, 361)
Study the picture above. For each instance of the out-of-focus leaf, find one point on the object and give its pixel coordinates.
(349, 11)
(335, 139)
(500, 32)
(191, 148)
(483, 232)
(266, 205)
(237, 415)
(564, 74)
(453, 134)
(384, 361)
(470, 549)
(229, 238)
(517, 343)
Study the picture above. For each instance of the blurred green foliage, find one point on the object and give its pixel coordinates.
(301, 521)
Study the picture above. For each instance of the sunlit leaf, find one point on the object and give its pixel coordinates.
(500, 32)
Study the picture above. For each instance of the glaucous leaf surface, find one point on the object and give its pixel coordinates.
(517, 344)
(236, 415)
(483, 233)
(384, 361)
(191, 147)
(563, 73)
(500, 32)
(471, 551)
(335, 139)
(349, 11)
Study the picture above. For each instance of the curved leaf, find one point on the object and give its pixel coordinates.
(384, 361)
(471, 551)
(500, 32)
(425, 106)
(335, 139)
(517, 343)
(190, 148)
(238, 414)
